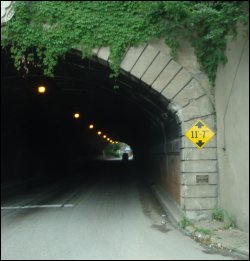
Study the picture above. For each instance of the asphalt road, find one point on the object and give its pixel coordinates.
(110, 214)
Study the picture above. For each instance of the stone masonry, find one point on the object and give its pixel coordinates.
(189, 102)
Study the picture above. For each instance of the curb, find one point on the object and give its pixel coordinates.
(173, 211)
(212, 245)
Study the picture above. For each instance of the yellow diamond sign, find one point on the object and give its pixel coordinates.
(199, 134)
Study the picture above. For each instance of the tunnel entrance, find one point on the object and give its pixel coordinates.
(149, 106)
(51, 137)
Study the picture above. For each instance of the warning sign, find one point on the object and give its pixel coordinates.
(199, 134)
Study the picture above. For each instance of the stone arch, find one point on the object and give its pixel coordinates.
(189, 101)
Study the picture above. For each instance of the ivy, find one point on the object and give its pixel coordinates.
(41, 32)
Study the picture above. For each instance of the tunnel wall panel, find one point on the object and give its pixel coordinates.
(172, 176)
(167, 174)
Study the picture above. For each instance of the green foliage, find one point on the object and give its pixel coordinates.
(184, 222)
(230, 221)
(223, 216)
(218, 214)
(41, 32)
(204, 231)
(112, 150)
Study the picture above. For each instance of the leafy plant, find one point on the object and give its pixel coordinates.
(218, 214)
(184, 222)
(230, 221)
(41, 32)
(223, 216)
(202, 230)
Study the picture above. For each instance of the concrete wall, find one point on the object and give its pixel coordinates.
(232, 108)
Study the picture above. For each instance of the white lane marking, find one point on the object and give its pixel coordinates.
(68, 205)
(39, 206)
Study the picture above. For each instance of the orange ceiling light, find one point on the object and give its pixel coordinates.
(76, 115)
(41, 89)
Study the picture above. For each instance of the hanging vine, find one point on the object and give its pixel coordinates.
(41, 32)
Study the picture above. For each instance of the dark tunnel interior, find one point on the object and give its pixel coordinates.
(40, 135)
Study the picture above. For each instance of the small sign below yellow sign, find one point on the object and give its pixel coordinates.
(199, 134)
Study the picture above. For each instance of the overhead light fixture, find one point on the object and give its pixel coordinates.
(91, 126)
(104, 136)
(76, 115)
(41, 89)
(99, 132)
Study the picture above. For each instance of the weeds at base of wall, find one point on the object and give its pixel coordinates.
(230, 221)
(203, 231)
(218, 214)
(221, 215)
(184, 222)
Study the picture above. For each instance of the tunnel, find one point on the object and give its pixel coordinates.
(41, 136)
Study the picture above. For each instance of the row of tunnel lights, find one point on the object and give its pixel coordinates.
(99, 133)
(42, 90)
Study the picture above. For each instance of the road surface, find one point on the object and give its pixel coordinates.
(106, 214)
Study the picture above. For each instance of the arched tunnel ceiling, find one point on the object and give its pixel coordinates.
(130, 113)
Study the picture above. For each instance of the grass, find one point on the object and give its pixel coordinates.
(218, 214)
(184, 222)
(204, 231)
(230, 221)
(223, 216)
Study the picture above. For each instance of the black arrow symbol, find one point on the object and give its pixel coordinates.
(200, 143)
(199, 125)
